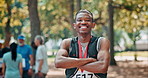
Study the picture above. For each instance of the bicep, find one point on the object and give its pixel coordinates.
(62, 52)
(103, 53)
(20, 65)
(31, 57)
(64, 47)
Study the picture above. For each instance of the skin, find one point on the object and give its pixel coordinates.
(83, 26)
(30, 71)
(40, 74)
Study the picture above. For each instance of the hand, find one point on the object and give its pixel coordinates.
(3, 76)
(30, 72)
(40, 74)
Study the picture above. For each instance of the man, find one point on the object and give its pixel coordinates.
(41, 66)
(84, 56)
(26, 52)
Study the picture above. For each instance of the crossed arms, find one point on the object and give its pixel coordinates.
(99, 65)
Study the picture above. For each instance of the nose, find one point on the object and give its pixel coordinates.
(83, 22)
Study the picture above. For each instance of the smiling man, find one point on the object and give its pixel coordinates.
(84, 56)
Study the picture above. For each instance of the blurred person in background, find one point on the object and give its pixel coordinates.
(41, 66)
(26, 52)
(12, 63)
(2, 52)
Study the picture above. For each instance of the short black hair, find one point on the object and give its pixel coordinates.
(84, 11)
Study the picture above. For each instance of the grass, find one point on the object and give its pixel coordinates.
(132, 53)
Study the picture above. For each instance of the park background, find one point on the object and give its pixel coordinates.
(123, 22)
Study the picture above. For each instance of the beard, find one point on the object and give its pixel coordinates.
(20, 44)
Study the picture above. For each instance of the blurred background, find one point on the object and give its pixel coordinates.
(123, 22)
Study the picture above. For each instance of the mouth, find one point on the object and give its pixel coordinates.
(83, 26)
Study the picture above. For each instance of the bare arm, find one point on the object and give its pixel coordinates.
(63, 61)
(40, 64)
(30, 72)
(103, 59)
(31, 60)
(3, 68)
(21, 69)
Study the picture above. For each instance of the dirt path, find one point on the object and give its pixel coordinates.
(127, 69)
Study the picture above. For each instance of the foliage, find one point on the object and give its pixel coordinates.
(129, 15)
(132, 53)
(54, 18)
(19, 13)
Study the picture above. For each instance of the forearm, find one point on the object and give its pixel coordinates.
(95, 67)
(40, 65)
(31, 61)
(67, 62)
(21, 72)
(21, 69)
(3, 69)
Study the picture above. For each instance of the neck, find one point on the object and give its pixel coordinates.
(84, 38)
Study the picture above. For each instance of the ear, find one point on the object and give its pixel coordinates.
(74, 25)
(93, 25)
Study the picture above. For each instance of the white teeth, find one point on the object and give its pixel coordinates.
(83, 27)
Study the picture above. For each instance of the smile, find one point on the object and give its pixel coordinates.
(83, 26)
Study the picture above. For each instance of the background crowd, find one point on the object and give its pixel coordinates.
(20, 60)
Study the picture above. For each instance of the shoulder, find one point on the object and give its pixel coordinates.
(6, 54)
(105, 40)
(66, 43)
(68, 40)
(39, 46)
(42, 47)
(105, 43)
(27, 46)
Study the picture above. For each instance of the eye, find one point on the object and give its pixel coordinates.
(88, 20)
(79, 20)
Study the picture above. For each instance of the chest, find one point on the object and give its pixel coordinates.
(23, 51)
(91, 51)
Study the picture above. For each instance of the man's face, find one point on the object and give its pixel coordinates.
(84, 23)
(21, 42)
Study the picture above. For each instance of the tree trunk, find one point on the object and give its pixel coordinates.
(135, 54)
(34, 18)
(111, 31)
(78, 6)
(7, 28)
(71, 15)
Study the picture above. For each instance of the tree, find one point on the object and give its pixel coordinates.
(111, 31)
(34, 18)
(55, 19)
(131, 17)
(12, 15)
(7, 28)
(71, 15)
(78, 5)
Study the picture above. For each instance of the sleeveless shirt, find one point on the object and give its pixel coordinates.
(93, 48)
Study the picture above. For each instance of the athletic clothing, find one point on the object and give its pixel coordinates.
(93, 48)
